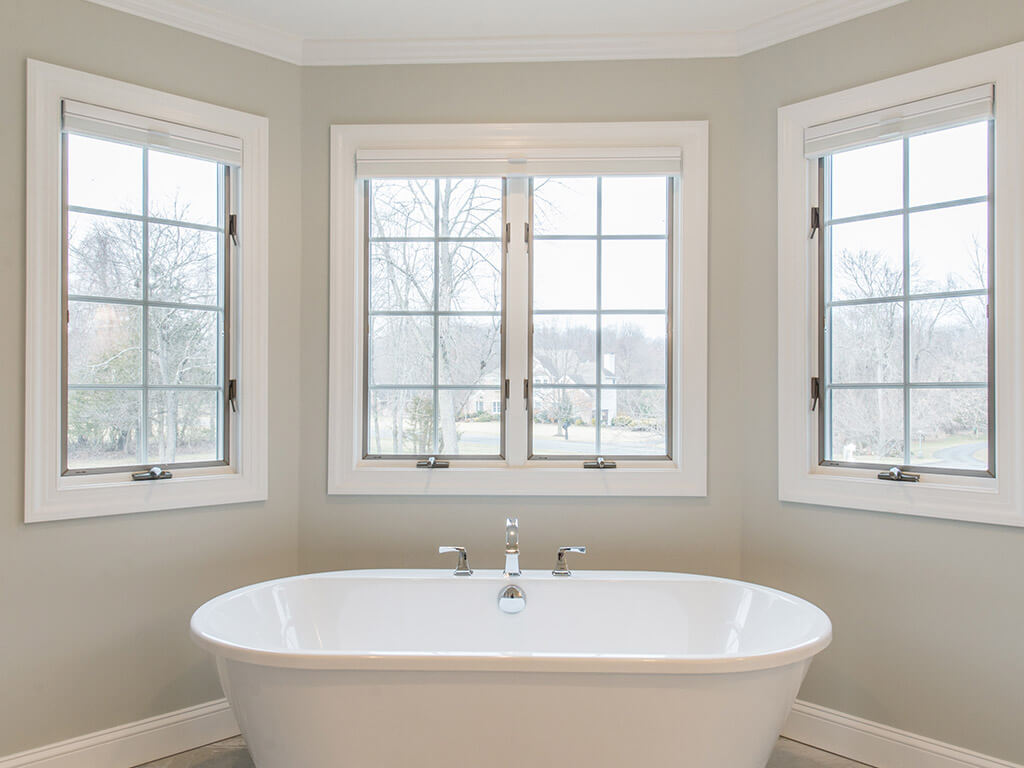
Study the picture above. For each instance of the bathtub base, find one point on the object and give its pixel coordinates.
(294, 718)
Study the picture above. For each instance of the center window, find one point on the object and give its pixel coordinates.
(594, 254)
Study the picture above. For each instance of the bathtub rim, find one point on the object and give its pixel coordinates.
(367, 660)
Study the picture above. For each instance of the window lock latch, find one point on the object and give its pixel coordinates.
(233, 228)
(233, 395)
(432, 462)
(599, 463)
(153, 473)
(815, 392)
(896, 474)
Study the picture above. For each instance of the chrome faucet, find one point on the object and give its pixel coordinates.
(512, 547)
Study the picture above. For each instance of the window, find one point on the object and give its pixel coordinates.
(905, 261)
(146, 257)
(600, 317)
(512, 313)
(898, 344)
(146, 291)
(433, 327)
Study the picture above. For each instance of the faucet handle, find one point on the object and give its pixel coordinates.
(561, 566)
(462, 569)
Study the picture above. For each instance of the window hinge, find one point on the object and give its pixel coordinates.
(432, 462)
(233, 228)
(526, 389)
(233, 395)
(815, 392)
(815, 222)
(508, 389)
(898, 475)
(153, 473)
(600, 463)
(526, 231)
(508, 234)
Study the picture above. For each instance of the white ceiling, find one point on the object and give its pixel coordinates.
(326, 32)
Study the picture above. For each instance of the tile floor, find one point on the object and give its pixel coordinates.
(233, 754)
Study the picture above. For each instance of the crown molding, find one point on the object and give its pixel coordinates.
(192, 17)
(517, 49)
(803, 21)
(225, 27)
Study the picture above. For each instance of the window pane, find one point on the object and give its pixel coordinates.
(564, 206)
(867, 180)
(633, 422)
(103, 428)
(469, 208)
(183, 188)
(949, 340)
(867, 426)
(466, 428)
(867, 343)
(104, 174)
(402, 350)
(949, 428)
(949, 165)
(470, 350)
(633, 349)
(104, 256)
(104, 343)
(949, 249)
(564, 274)
(182, 426)
(401, 421)
(402, 208)
(183, 346)
(183, 265)
(632, 205)
(401, 276)
(563, 421)
(633, 274)
(867, 258)
(564, 349)
(470, 277)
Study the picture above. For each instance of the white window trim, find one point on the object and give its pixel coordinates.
(48, 495)
(684, 475)
(987, 500)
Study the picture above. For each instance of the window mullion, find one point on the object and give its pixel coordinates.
(517, 321)
(143, 449)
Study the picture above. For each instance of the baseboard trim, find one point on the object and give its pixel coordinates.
(130, 745)
(875, 744)
(140, 742)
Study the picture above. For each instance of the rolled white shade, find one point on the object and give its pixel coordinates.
(412, 163)
(945, 111)
(104, 123)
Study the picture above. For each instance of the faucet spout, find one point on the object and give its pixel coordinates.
(512, 547)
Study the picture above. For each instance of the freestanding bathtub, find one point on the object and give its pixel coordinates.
(417, 669)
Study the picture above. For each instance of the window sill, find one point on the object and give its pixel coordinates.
(950, 497)
(497, 479)
(99, 495)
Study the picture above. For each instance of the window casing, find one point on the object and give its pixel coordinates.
(63, 100)
(564, 151)
(950, 94)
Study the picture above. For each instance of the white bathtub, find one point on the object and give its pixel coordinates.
(603, 669)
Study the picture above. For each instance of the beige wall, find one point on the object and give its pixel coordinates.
(928, 614)
(688, 534)
(94, 613)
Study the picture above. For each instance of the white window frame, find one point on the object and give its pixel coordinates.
(801, 479)
(685, 474)
(48, 494)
